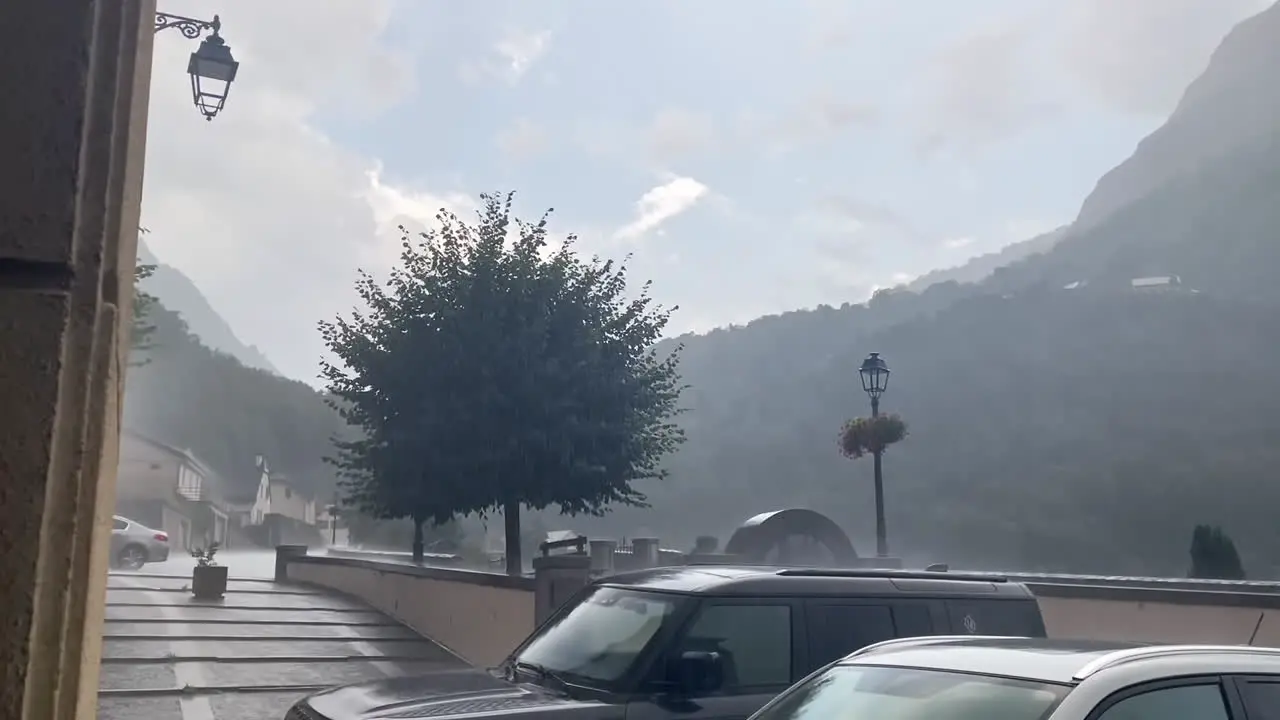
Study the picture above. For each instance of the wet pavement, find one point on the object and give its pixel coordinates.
(167, 656)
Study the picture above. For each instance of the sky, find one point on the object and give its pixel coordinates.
(751, 157)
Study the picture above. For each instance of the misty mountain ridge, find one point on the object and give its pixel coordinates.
(178, 293)
(1231, 105)
(979, 268)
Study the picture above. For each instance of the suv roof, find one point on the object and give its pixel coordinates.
(1054, 661)
(761, 580)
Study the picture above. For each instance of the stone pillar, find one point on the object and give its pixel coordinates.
(602, 555)
(646, 552)
(285, 553)
(556, 578)
(72, 132)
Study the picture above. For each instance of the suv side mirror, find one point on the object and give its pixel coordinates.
(698, 671)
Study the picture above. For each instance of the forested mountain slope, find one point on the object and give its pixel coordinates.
(207, 401)
(1083, 431)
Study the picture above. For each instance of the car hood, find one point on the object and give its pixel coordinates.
(447, 694)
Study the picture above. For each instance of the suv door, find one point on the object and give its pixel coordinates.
(837, 627)
(756, 640)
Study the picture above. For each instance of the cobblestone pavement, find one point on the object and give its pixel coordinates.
(247, 657)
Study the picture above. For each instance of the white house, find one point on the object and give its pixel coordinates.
(276, 496)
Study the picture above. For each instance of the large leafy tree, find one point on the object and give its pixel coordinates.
(494, 372)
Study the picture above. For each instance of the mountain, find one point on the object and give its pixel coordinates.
(176, 291)
(1230, 106)
(191, 396)
(980, 268)
(1086, 429)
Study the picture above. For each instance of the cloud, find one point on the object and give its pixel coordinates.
(1139, 55)
(521, 50)
(813, 120)
(979, 90)
(268, 214)
(396, 206)
(660, 204)
(863, 212)
(522, 140)
(676, 132)
(510, 57)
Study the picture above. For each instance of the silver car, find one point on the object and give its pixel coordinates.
(134, 544)
(994, 678)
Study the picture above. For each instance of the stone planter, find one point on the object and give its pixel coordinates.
(209, 582)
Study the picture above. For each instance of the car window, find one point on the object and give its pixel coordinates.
(118, 524)
(600, 638)
(754, 642)
(1262, 699)
(837, 630)
(1020, 618)
(1185, 702)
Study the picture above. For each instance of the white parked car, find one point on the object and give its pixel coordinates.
(134, 544)
(994, 678)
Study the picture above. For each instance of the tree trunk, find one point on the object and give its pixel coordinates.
(511, 521)
(418, 543)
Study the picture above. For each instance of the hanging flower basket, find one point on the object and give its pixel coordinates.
(863, 436)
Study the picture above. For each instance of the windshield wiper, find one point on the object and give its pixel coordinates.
(543, 672)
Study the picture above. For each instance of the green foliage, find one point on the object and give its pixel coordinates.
(143, 328)
(862, 436)
(192, 397)
(1213, 555)
(488, 376)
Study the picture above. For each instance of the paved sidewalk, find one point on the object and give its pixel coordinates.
(248, 657)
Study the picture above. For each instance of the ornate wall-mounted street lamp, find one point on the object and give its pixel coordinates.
(211, 67)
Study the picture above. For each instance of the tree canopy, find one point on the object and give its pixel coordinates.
(494, 371)
(1214, 555)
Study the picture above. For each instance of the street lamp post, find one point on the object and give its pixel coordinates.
(211, 67)
(333, 521)
(875, 380)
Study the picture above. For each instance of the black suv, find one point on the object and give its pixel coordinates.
(694, 642)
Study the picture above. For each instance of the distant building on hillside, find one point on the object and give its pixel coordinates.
(1159, 282)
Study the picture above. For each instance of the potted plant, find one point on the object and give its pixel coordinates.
(209, 579)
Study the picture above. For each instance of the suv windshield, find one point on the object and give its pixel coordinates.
(862, 692)
(598, 640)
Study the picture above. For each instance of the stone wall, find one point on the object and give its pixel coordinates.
(479, 616)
